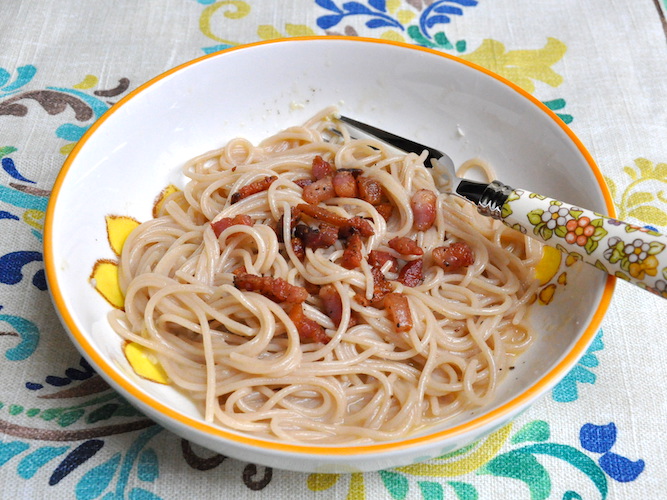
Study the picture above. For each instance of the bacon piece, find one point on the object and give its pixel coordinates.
(381, 287)
(298, 247)
(412, 273)
(379, 258)
(361, 299)
(301, 230)
(361, 225)
(239, 270)
(294, 219)
(221, 224)
(307, 328)
(351, 258)
(423, 204)
(278, 229)
(344, 232)
(385, 209)
(312, 288)
(399, 311)
(344, 184)
(253, 188)
(328, 235)
(325, 215)
(302, 183)
(322, 237)
(405, 246)
(370, 190)
(453, 257)
(276, 289)
(355, 225)
(331, 302)
(322, 168)
(320, 190)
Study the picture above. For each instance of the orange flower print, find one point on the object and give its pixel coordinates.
(568, 223)
(579, 230)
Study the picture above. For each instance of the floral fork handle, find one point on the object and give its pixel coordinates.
(630, 252)
(624, 250)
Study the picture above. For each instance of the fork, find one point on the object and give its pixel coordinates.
(627, 251)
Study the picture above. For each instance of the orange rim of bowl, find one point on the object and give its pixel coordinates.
(506, 409)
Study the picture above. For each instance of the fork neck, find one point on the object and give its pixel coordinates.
(489, 198)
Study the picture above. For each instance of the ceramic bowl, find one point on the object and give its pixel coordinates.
(137, 148)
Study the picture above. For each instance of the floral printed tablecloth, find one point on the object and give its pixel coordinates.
(600, 65)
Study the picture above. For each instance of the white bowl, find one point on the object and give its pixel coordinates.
(138, 147)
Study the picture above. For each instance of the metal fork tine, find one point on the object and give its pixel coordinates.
(444, 171)
(394, 140)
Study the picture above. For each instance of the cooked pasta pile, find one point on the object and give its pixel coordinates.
(317, 288)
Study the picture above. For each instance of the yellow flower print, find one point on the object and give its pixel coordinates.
(118, 229)
(104, 276)
(104, 279)
(144, 363)
(546, 294)
(648, 266)
(549, 265)
(546, 270)
(162, 198)
(522, 67)
(636, 257)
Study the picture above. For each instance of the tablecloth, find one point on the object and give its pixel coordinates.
(601, 65)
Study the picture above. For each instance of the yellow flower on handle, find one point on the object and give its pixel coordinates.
(648, 266)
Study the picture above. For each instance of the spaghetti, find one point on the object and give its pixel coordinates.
(320, 289)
